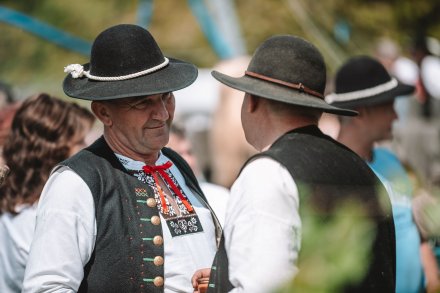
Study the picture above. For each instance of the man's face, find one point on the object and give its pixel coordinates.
(379, 120)
(140, 126)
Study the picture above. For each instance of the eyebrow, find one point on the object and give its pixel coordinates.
(135, 101)
(140, 100)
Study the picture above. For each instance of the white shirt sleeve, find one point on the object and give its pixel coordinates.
(262, 229)
(64, 236)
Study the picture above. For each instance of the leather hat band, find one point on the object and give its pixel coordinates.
(298, 86)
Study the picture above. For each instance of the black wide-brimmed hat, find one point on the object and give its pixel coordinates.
(287, 69)
(126, 62)
(364, 81)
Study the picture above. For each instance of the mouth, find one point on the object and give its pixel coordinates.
(156, 126)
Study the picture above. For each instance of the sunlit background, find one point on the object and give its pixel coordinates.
(39, 38)
(200, 31)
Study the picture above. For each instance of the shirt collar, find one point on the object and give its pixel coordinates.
(134, 165)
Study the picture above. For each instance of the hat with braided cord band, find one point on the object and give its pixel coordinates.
(126, 62)
(364, 81)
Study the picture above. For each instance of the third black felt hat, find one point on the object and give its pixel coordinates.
(364, 81)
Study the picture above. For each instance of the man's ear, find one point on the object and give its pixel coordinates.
(101, 110)
(254, 103)
(363, 111)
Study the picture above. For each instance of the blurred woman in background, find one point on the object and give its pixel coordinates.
(44, 132)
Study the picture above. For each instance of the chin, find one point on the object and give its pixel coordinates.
(386, 137)
(163, 141)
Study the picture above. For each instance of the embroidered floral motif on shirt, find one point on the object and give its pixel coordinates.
(123, 161)
(180, 216)
(184, 225)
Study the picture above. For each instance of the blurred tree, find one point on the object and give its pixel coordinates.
(34, 64)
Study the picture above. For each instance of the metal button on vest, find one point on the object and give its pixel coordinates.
(158, 240)
(151, 202)
(158, 261)
(155, 220)
(158, 281)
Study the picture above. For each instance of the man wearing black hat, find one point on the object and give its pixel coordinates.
(297, 166)
(363, 84)
(125, 214)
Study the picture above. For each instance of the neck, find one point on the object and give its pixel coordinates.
(149, 158)
(357, 141)
(277, 127)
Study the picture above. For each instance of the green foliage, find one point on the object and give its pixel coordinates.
(334, 252)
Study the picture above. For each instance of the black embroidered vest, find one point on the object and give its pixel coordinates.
(326, 172)
(128, 254)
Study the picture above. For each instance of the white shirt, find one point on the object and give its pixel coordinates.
(66, 232)
(262, 228)
(16, 232)
(217, 197)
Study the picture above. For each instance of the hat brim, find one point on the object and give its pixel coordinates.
(279, 93)
(401, 90)
(175, 76)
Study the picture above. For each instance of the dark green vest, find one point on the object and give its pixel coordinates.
(128, 248)
(326, 174)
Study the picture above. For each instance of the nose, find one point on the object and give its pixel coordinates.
(160, 110)
(393, 113)
(395, 116)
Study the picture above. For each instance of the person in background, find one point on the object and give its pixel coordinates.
(415, 139)
(125, 214)
(427, 85)
(86, 119)
(6, 96)
(7, 111)
(44, 132)
(363, 84)
(426, 213)
(4, 171)
(216, 195)
(8, 107)
(298, 166)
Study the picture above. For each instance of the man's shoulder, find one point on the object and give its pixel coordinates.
(83, 157)
(384, 156)
(385, 152)
(97, 152)
(262, 167)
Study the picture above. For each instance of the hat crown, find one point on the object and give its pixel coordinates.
(124, 49)
(359, 73)
(290, 59)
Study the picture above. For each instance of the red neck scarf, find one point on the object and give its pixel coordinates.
(161, 170)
